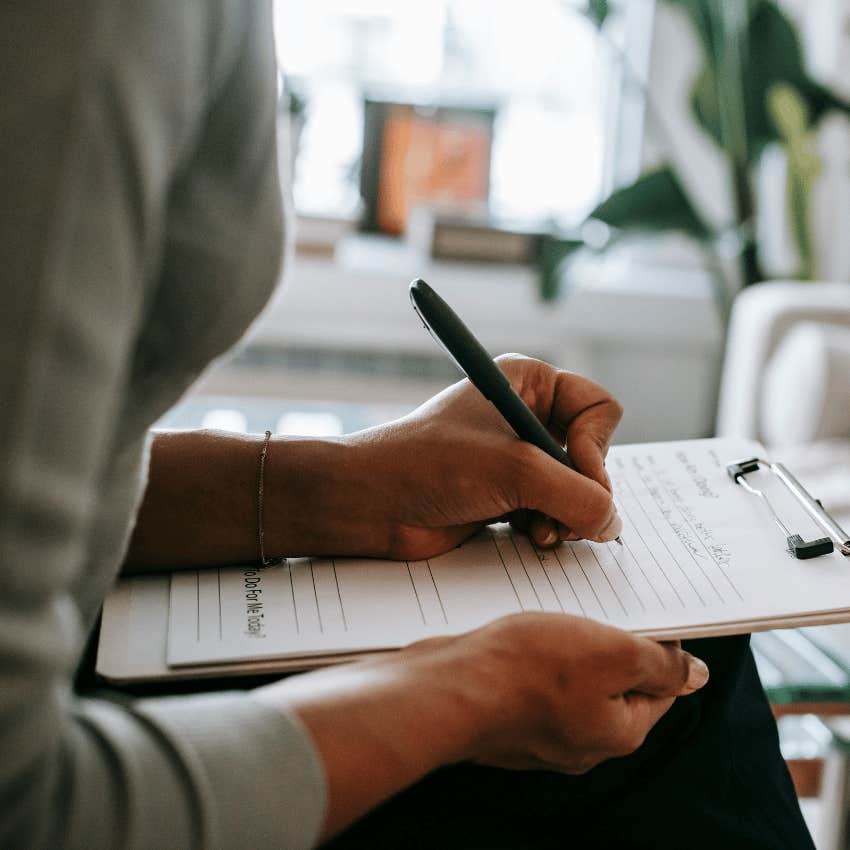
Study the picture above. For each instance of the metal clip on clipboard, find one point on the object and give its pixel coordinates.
(798, 547)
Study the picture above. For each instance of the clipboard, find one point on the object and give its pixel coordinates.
(700, 559)
(803, 549)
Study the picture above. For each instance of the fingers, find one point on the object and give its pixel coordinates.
(570, 498)
(543, 526)
(666, 670)
(589, 415)
(586, 415)
(662, 672)
(567, 692)
(543, 530)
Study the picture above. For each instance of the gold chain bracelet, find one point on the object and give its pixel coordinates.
(266, 562)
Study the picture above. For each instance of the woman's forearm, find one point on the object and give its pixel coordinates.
(378, 728)
(200, 504)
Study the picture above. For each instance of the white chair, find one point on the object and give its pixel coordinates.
(786, 382)
(762, 319)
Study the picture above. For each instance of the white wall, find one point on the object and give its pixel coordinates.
(648, 333)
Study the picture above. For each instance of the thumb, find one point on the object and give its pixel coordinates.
(576, 501)
(587, 443)
(668, 671)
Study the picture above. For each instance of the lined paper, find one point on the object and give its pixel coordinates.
(698, 551)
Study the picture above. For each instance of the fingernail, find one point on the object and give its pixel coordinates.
(612, 530)
(550, 537)
(697, 673)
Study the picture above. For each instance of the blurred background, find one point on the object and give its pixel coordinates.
(655, 193)
(481, 145)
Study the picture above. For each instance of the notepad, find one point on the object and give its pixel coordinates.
(700, 557)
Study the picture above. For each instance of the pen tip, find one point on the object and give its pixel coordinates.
(619, 540)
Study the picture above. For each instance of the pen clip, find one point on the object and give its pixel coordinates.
(434, 336)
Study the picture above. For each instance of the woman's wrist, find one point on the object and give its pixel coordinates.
(318, 500)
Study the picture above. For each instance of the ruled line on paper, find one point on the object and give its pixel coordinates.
(416, 593)
(505, 568)
(663, 543)
(702, 542)
(543, 564)
(220, 624)
(316, 597)
(610, 584)
(613, 554)
(294, 603)
(543, 570)
(630, 549)
(590, 584)
(525, 570)
(437, 591)
(198, 602)
(661, 509)
(339, 596)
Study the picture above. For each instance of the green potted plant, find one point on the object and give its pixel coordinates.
(752, 91)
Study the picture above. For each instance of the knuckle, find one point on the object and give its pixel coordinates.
(514, 364)
(428, 644)
(683, 667)
(631, 658)
(511, 358)
(509, 640)
(616, 408)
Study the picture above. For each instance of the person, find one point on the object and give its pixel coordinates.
(140, 233)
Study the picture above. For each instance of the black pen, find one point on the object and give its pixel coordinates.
(473, 360)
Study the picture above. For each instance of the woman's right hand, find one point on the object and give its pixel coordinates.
(531, 690)
(563, 693)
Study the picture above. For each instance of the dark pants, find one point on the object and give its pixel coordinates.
(710, 776)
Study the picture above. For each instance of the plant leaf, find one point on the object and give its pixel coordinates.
(655, 201)
(821, 100)
(553, 252)
(699, 12)
(702, 13)
(773, 55)
(597, 11)
(704, 103)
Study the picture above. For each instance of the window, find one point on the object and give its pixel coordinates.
(552, 79)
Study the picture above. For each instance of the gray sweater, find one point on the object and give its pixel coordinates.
(140, 232)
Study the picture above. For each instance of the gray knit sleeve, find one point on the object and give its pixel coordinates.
(106, 107)
(211, 771)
